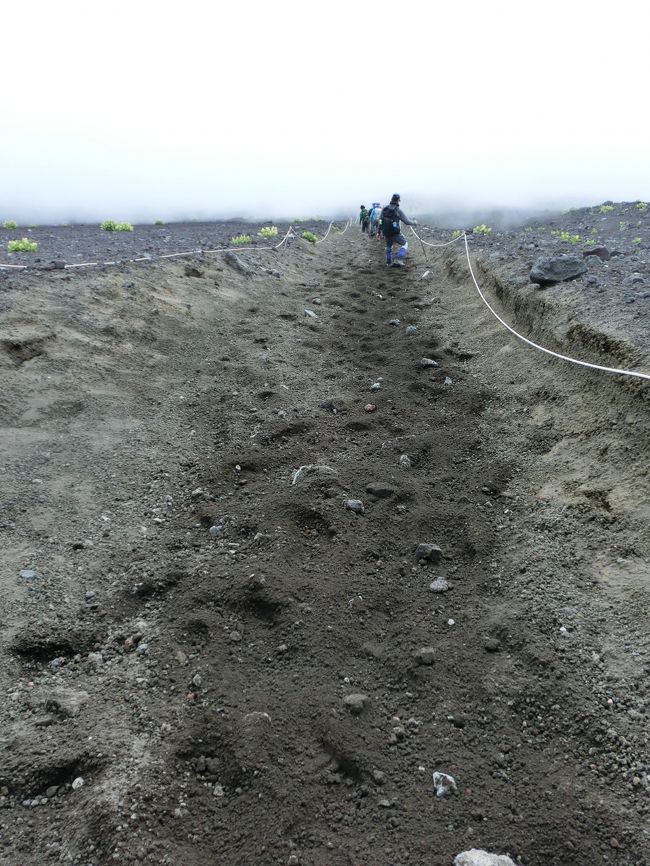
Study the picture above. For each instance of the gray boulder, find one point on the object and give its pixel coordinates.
(235, 262)
(602, 253)
(547, 270)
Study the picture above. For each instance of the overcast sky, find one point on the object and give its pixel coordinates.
(135, 110)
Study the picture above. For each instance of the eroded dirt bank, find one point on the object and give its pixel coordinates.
(182, 624)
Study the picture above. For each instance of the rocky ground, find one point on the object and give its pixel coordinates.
(282, 543)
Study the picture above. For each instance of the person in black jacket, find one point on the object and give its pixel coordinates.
(391, 217)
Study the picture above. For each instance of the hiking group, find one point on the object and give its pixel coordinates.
(385, 222)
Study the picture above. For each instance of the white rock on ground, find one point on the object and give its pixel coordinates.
(478, 857)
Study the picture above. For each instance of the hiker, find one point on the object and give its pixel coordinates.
(375, 217)
(391, 216)
(364, 218)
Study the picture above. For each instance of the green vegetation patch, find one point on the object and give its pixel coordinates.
(268, 232)
(24, 245)
(112, 226)
(567, 237)
(240, 240)
(309, 236)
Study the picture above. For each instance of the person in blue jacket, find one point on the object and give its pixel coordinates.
(375, 218)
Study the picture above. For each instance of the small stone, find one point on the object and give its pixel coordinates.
(410, 330)
(444, 785)
(355, 505)
(405, 461)
(479, 857)
(425, 655)
(27, 573)
(380, 490)
(77, 783)
(356, 703)
(235, 262)
(448, 381)
(197, 680)
(51, 791)
(216, 530)
(376, 386)
(384, 803)
(428, 362)
(90, 595)
(439, 585)
(310, 314)
(234, 636)
(257, 717)
(96, 660)
(218, 791)
(602, 253)
(428, 552)
(395, 323)
(370, 407)
(378, 777)
(491, 645)
(66, 702)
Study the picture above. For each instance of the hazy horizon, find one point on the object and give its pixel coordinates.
(146, 115)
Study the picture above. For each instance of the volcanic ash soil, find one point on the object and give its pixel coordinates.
(280, 545)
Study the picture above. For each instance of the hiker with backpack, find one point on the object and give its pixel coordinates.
(391, 216)
(375, 217)
(364, 218)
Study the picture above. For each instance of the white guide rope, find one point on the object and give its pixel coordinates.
(519, 336)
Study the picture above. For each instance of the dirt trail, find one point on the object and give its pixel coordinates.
(192, 622)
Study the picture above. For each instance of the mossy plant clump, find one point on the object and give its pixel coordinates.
(268, 232)
(112, 226)
(24, 245)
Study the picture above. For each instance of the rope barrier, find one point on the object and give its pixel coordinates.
(324, 238)
(519, 336)
(437, 246)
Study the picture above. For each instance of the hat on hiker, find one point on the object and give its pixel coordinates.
(395, 198)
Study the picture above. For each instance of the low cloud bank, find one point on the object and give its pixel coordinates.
(83, 189)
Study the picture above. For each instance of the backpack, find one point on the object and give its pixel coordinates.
(389, 221)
